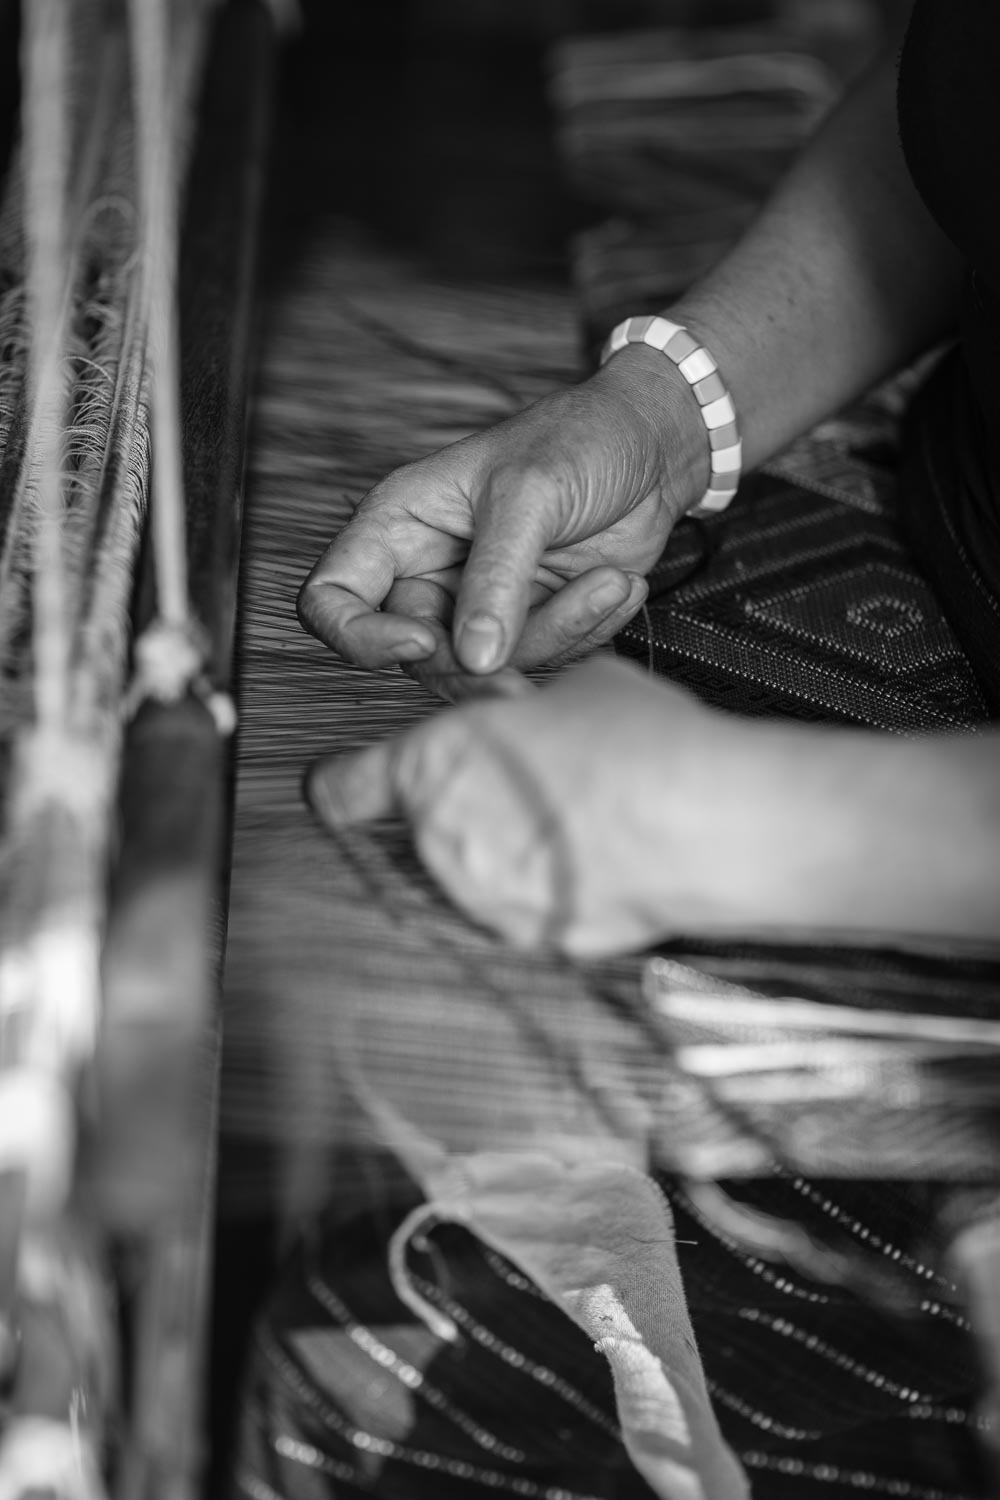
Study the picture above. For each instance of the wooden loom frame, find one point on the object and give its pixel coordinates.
(157, 1064)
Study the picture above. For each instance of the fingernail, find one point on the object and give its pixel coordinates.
(413, 650)
(608, 597)
(480, 643)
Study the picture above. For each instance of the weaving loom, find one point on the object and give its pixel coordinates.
(123, 370)
(365, 1019)
(362, 1011)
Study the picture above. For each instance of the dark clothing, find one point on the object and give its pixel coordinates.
(950, 132)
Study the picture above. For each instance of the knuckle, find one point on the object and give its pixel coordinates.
(498, 574)
(390, 486)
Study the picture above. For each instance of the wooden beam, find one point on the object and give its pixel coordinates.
(149, 1173)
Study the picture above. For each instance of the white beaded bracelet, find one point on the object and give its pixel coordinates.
(714, 401)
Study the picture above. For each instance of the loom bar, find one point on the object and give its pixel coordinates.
(153, 1160)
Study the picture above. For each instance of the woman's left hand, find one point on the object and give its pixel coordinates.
(559, 818)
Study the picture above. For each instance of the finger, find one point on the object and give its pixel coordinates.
(580, 617)
(426, 598)
(345, 790)
(339, 601)
(442, 675)
(609, 627)
(432, 599)
(513, 529)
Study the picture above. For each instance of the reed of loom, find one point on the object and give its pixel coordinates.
(106, 1016)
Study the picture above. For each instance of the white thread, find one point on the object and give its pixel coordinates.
(438, 1322)
(157, 166)
(46, 90)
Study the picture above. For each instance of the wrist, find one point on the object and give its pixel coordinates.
(786, 827)
(767, 826)
(660, 401)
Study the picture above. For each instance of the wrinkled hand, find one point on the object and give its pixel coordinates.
(552, 818)
(528, 540)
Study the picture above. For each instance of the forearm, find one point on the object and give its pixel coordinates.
(841, 280)
(854, 833)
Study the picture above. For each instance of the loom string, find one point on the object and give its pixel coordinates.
(167, 44)
(89, 362)
(475, 373)
(760, 1233)
(765, 1234)
(53, 303)
(394, 338)
(149, 24)
(51, 992)
(60, 821)
(120, 483)
(86, 267)
(757, 1232)
(798, 1249)
(46, 129)
(360, 850)
(49, 965)
(67, 759)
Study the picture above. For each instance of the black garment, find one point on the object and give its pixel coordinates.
(822, 1395)
(950, 130)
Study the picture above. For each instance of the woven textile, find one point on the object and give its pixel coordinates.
(804, 601)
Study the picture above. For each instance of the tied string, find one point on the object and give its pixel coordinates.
(167, 43)
(597, 1238)
(170, 662)
(389, 889)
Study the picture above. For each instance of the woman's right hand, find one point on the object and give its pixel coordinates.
(528, 541)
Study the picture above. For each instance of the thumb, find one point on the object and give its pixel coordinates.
(344, 790)
(514, 526)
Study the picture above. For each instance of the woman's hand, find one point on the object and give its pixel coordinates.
(612, 810)
(558, 818)
(535, 533)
